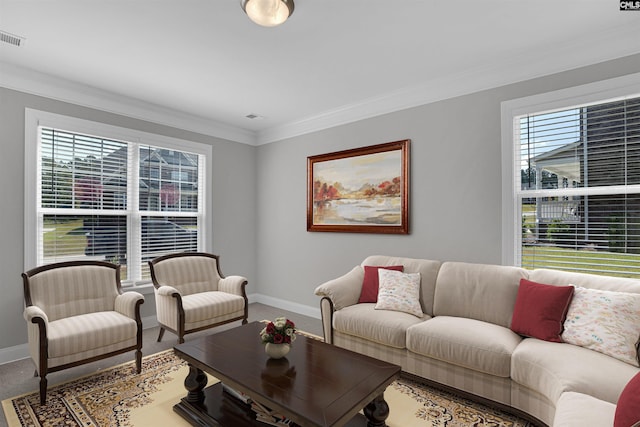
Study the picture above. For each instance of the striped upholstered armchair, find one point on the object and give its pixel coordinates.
(193, 295)
(77, 313)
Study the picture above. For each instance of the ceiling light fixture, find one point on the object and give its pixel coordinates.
(268, 13)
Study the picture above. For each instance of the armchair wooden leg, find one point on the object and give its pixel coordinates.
(245, 321)
(43, 390)
(161, 334)
(138, 361)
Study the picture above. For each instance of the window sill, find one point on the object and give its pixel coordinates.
(145, 288)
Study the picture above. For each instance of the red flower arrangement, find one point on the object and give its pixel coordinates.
(280, 331)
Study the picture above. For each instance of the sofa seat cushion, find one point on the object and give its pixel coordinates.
(380, 326)
(78, 334)
(579, 410)
(207, 305)
(553, 368)
(469, 343)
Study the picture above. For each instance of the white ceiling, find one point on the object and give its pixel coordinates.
(203, 62)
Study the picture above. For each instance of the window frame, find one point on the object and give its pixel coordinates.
(36, 118)
(606, 90)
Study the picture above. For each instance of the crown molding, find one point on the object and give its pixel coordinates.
(561, 57)
(37, 83)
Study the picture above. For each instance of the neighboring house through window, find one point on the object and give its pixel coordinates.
(95, 191)
(571, 198)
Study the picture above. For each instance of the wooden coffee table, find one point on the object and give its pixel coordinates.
(317, 384)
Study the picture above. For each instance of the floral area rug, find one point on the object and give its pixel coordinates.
(119, 397)
(106, 398)
(423, 405)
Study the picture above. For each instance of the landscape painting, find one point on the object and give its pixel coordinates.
(362, 190)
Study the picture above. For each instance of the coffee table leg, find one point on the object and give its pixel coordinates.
(194, 383)
(377, 412)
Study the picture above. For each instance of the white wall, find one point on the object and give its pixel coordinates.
(455, 195)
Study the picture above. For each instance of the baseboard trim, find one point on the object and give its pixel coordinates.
(149, 322)
(285, 305)
(11, 354)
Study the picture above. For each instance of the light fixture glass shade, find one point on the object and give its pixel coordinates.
(268, 13)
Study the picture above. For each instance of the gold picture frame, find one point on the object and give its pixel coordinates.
(362, 190)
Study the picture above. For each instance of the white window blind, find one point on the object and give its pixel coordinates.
(578, 188)
(124, 201)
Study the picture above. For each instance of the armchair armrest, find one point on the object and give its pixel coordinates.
(233, 285)
(32, 313)
(37, 330)
(167, 291)
(343, 291)
(169, 306)
(127, 302)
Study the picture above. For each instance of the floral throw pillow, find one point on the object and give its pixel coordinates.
(605, 321)
(399, 292)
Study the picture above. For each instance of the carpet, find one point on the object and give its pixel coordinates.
(118, 396)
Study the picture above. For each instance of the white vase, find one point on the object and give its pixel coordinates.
(277, 351)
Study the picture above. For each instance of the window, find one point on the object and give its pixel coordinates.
(102, 192)
(575, 194)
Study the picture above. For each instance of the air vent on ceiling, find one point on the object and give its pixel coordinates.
(11, 38)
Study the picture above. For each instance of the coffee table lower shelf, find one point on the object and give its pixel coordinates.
(219, 409)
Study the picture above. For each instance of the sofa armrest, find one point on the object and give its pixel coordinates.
(326, 313)
(343, 291)
(127, 303)
(233, 285)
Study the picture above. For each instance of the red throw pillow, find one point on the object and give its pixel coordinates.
(369, 292)
(540, 310)
(628, 407)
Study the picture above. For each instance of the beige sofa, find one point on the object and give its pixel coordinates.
(464, 339)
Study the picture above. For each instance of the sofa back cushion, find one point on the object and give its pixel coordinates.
(428, 270)
(477, 291)
(593, 281)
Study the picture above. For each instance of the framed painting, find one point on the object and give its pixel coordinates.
(362, 190)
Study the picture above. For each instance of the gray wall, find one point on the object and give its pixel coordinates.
(260, 192)
(233, 192)
(455, 196)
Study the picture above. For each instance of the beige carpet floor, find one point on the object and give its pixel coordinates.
(119, 397)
